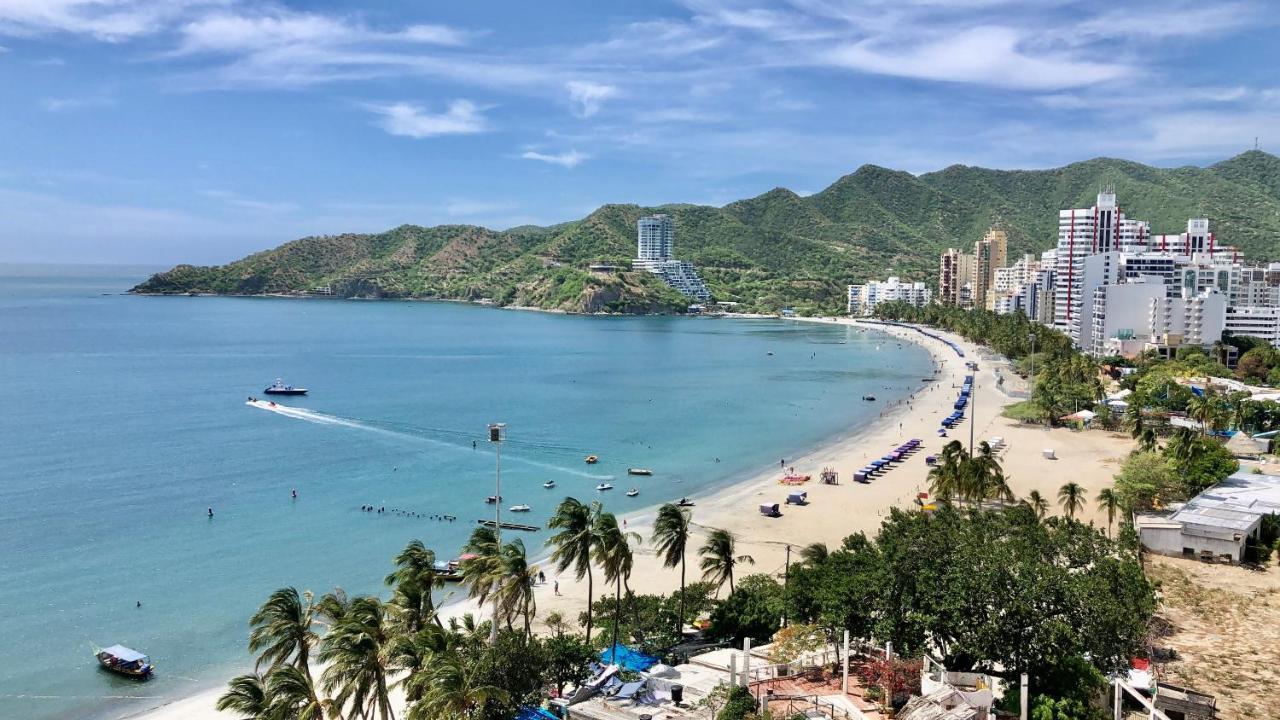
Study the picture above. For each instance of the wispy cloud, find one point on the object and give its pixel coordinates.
(64, 104)
(588, 97)
(243, 203)
(106, 20)
(461, 118)
(233, 32)
(568, 159)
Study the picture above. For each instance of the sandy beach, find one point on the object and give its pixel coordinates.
(834, 511)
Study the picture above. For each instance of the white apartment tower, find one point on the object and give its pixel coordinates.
(655, 235)
(1102, 228)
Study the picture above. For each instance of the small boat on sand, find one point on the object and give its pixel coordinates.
(518, 508)
(633, 492)
(604, 486)
(592, 459)
(279, 388)
(685, 502)
(549, 484)
(639, 471)
(125, 661)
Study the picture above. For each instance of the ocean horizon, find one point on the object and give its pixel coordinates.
(126, 421)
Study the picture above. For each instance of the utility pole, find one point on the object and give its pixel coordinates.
(973, 409)
(786, 577)
(497, 433)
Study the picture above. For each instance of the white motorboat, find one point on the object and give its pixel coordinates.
(633, 492)
(518, 508)
(604, 486)
(549, 484)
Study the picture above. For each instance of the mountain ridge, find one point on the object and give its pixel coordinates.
(769, 251)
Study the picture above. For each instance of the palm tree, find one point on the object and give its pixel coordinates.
(988, 477)
(1071, 497)
(1183, 445)
(414, 579)
(248, 696)
(575, 542)
(1109, 501)
(1038, 504)
(671, 538)
(815, 553)
(293, 695)
(414, 654)
(453, 692)
(358, 653)
(613, 554)
(718, 558)
(514, 593)
(482, 570)
(1202, 408)
(946, 476)
(282, 630)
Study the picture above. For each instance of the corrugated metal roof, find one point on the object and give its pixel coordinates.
(1236, 504)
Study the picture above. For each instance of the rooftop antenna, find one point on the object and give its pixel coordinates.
(1255, 142)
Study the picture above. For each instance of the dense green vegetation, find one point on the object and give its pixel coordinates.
(768, 252)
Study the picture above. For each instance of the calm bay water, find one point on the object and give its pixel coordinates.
(123, 418)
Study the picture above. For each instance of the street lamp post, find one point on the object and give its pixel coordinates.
(497, 433)
(1032, 338)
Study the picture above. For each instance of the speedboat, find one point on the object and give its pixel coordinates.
(549, 484)
(518, 508)
(492, 499)
(592, 459)
(685, 502)
(125, 661)
(604, 486)
(639, 471)
(633, 492)
(279, 388)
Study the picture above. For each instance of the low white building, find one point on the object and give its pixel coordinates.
(1217, 523)
(1134, 317)
(863, 299)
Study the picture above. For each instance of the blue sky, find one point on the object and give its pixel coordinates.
(141, 131)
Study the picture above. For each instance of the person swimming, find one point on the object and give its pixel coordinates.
(210, 512)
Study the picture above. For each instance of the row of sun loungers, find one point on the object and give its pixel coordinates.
(885, 463)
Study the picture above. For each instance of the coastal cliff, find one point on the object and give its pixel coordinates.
(774, 250)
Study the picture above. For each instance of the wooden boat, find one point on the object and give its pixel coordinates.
(450, 571)
(592, 459)
(125, 661)
(510, 526)
(639, 471)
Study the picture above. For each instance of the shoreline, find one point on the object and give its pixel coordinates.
(834, 511)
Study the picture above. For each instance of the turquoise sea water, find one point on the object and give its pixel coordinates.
(122, 419)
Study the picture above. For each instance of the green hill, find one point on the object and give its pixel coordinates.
(766, 252)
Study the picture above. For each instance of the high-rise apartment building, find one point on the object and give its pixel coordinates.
(655, 237)
(1082, 233)
(989, 254)
(955, 271)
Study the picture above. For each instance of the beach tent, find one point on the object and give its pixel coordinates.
(770, 509)
(1082, 416)
(798, 498)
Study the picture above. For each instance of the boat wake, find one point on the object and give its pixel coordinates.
(319, 418)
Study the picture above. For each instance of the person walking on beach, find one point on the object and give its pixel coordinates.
(557, 588)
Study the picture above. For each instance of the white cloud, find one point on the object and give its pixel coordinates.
(461, 118)
(587, 97)
(230, 32)
(107, 20)
(569, 159)
(989, 55)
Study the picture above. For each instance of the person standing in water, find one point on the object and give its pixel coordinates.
(210, 513)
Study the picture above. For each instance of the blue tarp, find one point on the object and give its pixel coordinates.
(629, 658)
(535, 713)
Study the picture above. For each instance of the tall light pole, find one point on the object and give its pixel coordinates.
(497, 433)
(1032, 338)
